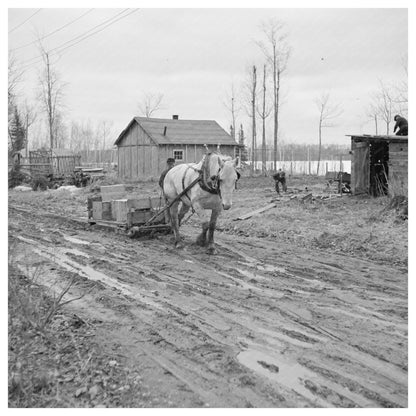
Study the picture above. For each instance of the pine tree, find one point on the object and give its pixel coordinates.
(241, 142)
(17, 133)
(17, 138)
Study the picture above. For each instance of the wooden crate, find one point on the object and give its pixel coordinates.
(119, 210)
(97, 210)
(129, 211)
(139, 217)
(106, 211)
(112, 192)
(144, 203)
(90, 200)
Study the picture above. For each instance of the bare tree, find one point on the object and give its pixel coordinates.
(150, 103)
(277, 52)
(230, 103)
(14, 77)
(60, 131)
(29, 117)
(401, 96)
(50, 95)
(104, 129)
(264, 113)
(253, 117)
(373, 114)
(327, 113)
(383, 104)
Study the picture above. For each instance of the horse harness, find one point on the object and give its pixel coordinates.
(207, 183)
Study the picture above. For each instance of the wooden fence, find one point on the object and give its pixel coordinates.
(45, 162)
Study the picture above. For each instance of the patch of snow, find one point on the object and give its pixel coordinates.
(23, 188)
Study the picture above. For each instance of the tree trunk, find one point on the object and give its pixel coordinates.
(49, 102)
(275, 109)
(253, 103)
(27, 135)
(233, 115)
(263, 145)
(319, 147)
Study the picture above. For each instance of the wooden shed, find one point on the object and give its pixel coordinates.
(146, 143)
(378, 163)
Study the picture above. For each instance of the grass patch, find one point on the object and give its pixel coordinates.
(54, 360)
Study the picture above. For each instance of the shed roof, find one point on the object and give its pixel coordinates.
(370, 137)
(181, 131)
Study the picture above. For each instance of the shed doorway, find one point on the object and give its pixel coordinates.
(379, 168)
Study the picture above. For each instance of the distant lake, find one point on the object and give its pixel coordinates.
(301, 167)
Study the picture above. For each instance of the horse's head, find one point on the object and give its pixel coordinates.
(227, 178)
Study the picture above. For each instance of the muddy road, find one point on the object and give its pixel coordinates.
(257, 325)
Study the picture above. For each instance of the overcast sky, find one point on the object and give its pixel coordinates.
(192, 56)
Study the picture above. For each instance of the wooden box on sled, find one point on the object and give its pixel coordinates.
(101, 211)
(129, 211)
(112, 192)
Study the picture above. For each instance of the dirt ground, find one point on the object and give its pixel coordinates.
(305, 305)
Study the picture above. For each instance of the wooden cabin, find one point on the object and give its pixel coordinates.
(146, 143)
(378, 164)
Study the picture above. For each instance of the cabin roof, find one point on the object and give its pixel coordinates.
(170, 131)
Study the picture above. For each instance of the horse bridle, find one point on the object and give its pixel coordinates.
(215, 180)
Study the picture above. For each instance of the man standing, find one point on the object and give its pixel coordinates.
(170, 164)
(280, 177)
(401, 124)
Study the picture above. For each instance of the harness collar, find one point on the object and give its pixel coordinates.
(208, 182)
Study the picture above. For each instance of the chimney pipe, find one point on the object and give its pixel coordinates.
(175, 117)
(164, 130)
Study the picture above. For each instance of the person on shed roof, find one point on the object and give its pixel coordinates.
(170, 164)
(401, 124)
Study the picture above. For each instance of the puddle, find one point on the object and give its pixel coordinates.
(252, 287)
(76, 252)
(281, 370)
(270, 268)
(239, 282)
(251, 275)
(75, 240)
(263, 267)
(59, 257)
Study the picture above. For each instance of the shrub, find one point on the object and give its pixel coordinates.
(40, 183)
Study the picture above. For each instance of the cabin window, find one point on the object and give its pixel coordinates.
(178, 154)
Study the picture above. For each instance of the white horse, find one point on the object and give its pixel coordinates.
(213, 191)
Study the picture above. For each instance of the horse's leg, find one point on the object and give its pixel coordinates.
(202, 238)
(212, 223)
(184, 209)
(175, 223)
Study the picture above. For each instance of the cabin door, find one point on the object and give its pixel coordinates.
(360, 168)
